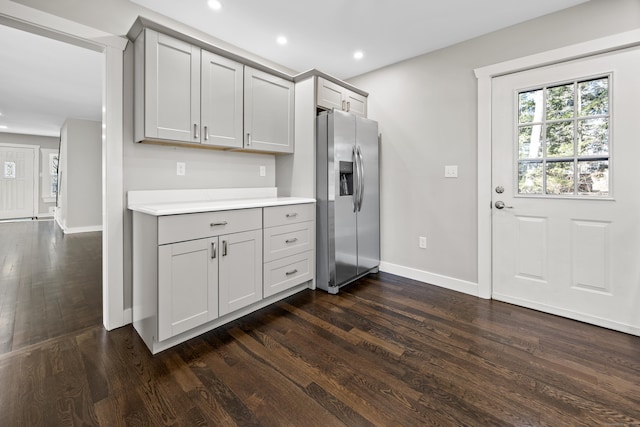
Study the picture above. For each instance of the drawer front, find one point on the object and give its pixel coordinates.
(289, 214)
(287, 240)
(288, 272)
(179, 228)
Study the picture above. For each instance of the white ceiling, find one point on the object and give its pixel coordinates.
(43, 82)
(324, 34)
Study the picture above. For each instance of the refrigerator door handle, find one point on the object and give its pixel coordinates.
(356, 184)
(360, 178)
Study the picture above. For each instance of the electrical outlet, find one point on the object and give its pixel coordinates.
(422, 242)
(451, 171)
(263, 171)
(181, 169)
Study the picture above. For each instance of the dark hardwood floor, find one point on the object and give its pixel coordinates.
(50, 283)
(385, 351)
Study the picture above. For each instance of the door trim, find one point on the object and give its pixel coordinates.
(111, 46)
(36, 173)
(485, 77)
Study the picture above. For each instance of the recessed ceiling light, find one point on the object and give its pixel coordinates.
(358, 54)
(214, 4)
(282, 40)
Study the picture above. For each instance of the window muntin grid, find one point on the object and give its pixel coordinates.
(563, 139)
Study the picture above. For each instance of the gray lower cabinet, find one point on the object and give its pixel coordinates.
(193, 272)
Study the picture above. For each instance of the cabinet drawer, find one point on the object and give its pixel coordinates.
(286, 240)
(289, 214)
(288, 272)
(178, 228)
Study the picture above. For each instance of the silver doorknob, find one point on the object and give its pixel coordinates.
(500, 205)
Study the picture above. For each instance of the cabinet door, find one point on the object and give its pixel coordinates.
(356, 103)
(268, 112)
(221, 96)
(187, 285)
(172, 89)
(240, 270)
(330, 95)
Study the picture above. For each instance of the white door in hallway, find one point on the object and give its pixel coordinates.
(17, 182)
(566, 203)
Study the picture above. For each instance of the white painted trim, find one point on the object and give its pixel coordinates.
(36, 173)
(112, 46)
(143, 197)
(431, 278)
(128, 316)
(44, 215)
(594, 320)
(76, 230)
(113, 191)
(485, 76)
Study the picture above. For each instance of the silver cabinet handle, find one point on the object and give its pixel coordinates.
(216, 224)
(295, 239)
(206, 133)
(348, 106)
(292, 215)
(195, 131)
(360, 178)
(248, 139)
(289, 273)
(343, 105)
(500, 205)
(224, 248)
(214, 250)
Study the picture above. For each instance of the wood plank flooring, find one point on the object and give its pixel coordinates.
(386, 351)
(50, 283)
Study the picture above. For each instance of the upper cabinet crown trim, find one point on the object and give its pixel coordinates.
(141, 23)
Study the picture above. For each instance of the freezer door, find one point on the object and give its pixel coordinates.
(342, 130)
(369, 200)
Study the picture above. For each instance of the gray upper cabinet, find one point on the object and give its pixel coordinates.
(268, 112)
(221, 101)
(332, 95)
(167, 89)
(187, 94)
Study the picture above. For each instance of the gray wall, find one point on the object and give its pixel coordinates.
(80, 195)
(44, 142)
(427, 111)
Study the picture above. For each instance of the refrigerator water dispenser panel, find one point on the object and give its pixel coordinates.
(346, 178)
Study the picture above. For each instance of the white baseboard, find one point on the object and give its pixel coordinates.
(431, 278)
(44, 215)
(74, 230)
(128, 316)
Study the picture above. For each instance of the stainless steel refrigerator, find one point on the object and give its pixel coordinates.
(348, 199)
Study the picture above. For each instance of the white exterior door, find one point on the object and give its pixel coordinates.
(17, 182)
(565, 152)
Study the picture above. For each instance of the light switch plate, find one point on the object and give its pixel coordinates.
(181, 169)
(451, 171)
(263, 171)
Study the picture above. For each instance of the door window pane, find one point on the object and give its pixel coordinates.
(530, 142)
(560, 139)
(560, 178)
(564, 139)
(593, 178)
(593, 97)
(593, 136)
(560, 102)
(530, 178)
(531, 107)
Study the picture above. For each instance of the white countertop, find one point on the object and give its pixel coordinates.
(168, 208)
(175, 202)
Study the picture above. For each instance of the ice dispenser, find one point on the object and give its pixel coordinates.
(346, 178)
